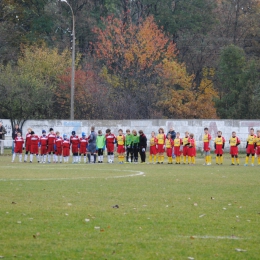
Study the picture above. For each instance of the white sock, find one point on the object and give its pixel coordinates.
(31, 157)
(112, 157)
(101, 158)
(14, 156)
(92, 158)
(60, 158)
(85, 158)
(49, 158)
(25, 157)
(20, 157)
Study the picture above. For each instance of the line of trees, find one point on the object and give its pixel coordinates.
(135, 59)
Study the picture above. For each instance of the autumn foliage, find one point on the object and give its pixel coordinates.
(142, 58)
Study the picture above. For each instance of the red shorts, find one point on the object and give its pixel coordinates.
(192, 151)
(44, 150)
(250, 149)
(206, 147)
(34, 149)
(177, 150)
(66, 151)
(51, 148)
(27, 147)
(83, 149)
(120, 149)
(169, 152)
(58, 151)
(160, 148)
(185, 150)
(258, 150)
(153, 150)
(110, 148)
(218, 149)
(74, 149)
(233, 150)
(18, 149)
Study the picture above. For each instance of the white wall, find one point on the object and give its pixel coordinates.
(195, 126)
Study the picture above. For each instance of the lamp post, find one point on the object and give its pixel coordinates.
(72, 64)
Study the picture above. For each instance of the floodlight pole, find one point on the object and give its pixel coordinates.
(72, 63)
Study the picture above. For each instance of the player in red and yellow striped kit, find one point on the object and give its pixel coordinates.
(153, 148)
(185, 147)
(169, 145)
(206, 146)
(257, 141)
(234, 143)
(250, 147)
(219, 145)
(160, 145)
(177, 148)
(120, 139)
(192, 149)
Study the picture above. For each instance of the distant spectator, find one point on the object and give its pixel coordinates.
(2, 131)
(173, 133)
(16, 130)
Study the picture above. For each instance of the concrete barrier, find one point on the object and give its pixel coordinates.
(194, 126)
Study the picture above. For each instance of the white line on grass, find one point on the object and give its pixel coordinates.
(135, 173)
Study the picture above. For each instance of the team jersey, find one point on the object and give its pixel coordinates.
(161, 138)
(251, 139)
(185, 141)
(220, 140)
(120, 139)
(83, 141)
(66, 143)
(168, 143)
(28, 139)
(153, 141)
(192, 142)
(206, 138)
(101, 140)
(234, 141)
(58, 142)
(136, 139)
(51, 139)
(43, 140)
(128, 139)
(110, 138)
(74, 140)
(177, 142)
(257, 141)
(34, 140)
(19, 143)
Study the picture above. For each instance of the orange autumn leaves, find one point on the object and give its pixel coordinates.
(140, 56)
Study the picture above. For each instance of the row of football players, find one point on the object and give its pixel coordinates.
(132, 144)
(252, 147)
(53, 145)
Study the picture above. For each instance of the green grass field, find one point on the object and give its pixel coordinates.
(65, 211)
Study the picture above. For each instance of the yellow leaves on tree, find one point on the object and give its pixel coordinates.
(188, 102)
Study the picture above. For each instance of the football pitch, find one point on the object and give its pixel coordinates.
(129, 211)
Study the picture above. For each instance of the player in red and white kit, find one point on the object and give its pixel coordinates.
(27, 143)
(51, 143)
(43, 144)
(58, 147)
(18, 147)
(74, 141)
(83, 143)
(110, 144)
(65, 148)
(34, 148)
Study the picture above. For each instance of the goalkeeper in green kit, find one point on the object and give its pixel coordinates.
(129, 146)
